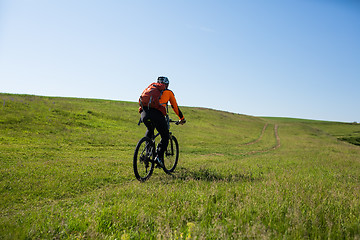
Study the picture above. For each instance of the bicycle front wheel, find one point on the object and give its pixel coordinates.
(143, 161)
(171, 155)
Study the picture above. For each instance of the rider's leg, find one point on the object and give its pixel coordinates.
(162, 128)
(145, 118)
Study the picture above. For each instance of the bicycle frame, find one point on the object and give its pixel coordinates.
(168, 121)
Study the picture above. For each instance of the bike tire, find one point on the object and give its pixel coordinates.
(143, 161)
(171, 155)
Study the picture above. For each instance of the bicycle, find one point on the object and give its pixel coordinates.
(145, 153)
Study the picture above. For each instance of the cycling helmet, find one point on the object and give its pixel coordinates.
(163, 80)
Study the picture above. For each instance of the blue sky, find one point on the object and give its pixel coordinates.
(285, 58)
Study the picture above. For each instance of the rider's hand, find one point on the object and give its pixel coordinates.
(182, 122)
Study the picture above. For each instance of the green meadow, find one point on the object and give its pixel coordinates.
(66, 173)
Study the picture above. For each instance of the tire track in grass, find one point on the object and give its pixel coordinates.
(258, 139)
(277, 145)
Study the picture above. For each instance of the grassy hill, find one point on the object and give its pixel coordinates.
(66, 173)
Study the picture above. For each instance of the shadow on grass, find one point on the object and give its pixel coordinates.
(210, 175)
(352, 140)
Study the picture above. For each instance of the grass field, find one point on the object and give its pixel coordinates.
(66, 173)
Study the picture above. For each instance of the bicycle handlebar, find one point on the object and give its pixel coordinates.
(169, 120)
(176, 122)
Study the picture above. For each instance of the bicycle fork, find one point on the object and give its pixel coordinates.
(171, 153)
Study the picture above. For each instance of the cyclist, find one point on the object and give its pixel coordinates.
(155, 117)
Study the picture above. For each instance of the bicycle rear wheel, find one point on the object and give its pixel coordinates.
(171, 155)
(143, 161)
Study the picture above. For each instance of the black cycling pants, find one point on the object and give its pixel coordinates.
(153, 118)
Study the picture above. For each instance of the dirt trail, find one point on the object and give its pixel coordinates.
(261, 135)
(277, 145)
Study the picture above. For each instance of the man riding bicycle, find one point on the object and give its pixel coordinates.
(153, 109)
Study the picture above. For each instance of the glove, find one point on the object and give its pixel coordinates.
(182, 122)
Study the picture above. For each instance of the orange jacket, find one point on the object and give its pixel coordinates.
(167, 96)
